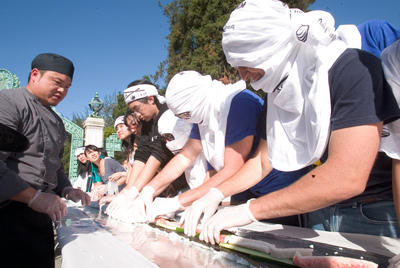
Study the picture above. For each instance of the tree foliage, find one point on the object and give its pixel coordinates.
(195, 36)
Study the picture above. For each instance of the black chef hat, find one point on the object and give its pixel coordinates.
(53, 62)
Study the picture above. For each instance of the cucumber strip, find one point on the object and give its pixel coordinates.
(258, 254)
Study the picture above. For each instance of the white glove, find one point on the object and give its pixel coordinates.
(164, 206)
(226, 218)
(133, 212)
(49, 204)
(98, 192)
(147, 196)
(126, 197)
(76, 195)
(208, 204)
(394, 262)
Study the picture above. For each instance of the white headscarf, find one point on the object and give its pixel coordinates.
(296, 52)
(208, 102)
(119, 120)
(349, 34)
(141, 91)
(79, 150)
(169, 123)
(391, 66)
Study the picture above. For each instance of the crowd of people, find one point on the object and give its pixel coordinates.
(319, 151)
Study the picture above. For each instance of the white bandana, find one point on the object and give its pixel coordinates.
(119, 120)
(390, 144)
(296, 51)
(79, 150)
(141, 91)
(169, 123)
(208, 102)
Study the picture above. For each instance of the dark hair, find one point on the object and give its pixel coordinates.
(92, 148)
(131, 113)
(128, 143)
(144, 82)
(84, 167)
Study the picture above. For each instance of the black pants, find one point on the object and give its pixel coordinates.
(26, 237)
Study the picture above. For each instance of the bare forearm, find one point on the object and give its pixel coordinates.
(169, 173)
(252, 172)
(135, 170)
(317, 189)
(148, 172)
(396, 186)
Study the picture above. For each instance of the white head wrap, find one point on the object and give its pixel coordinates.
(295, 50)
(169, 123)
(349, 34)
(208, 102)
(119, 120)
(79, 150)
(391, 66)
(141, 91)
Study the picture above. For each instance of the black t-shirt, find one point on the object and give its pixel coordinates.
(150, 142)
(359, 96)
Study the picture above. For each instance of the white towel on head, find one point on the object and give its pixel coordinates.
(390, 144)
(349, 34)
(295, 50)
(179, 128)
(208, 102)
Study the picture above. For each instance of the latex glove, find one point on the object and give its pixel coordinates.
(394, 262)
(132, 213)
(147, 196)
(76, 195)
(206, 205)
(124, 198)
(49, 204)
(98, 192)
(164, 206)
(226, 218)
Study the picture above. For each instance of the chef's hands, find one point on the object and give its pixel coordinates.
(206, 205)
(163, 206)
(226, 218)
(49, 204)
(76, 195)
(123, 199)
(146, 195)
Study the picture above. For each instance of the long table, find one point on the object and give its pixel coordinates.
(88, 239)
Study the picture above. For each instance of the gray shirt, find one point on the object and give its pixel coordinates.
(111, 166)
(40, 165)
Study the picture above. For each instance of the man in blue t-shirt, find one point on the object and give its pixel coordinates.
(341, 93)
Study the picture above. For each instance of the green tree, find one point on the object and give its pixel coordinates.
(195, 37)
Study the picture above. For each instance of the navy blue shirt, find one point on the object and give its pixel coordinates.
(243, 117)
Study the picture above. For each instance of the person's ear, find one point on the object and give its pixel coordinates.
(150, 99)
(34, 75)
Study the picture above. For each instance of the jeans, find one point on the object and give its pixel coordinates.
(375, 218)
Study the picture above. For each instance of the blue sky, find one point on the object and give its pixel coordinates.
(115, 42)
